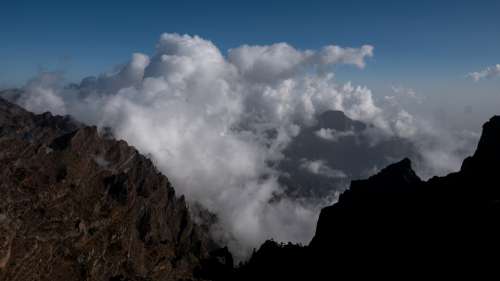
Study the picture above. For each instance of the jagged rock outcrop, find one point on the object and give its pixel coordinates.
(395, 225)
(75, 205)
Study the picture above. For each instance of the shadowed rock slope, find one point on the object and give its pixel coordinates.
(395, 225)
(75, 205)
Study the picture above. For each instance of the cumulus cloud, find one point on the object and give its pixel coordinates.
(280, 61)
(216, 124)
(489, 72)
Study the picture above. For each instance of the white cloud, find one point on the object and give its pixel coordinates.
(489, 72)
(215, 124)
(403, 95)
(43, 94)
(441, 151)
(332, 134)
(205, 119)
(320, 167)
(335, 54)
(281, 61)
(405, 124)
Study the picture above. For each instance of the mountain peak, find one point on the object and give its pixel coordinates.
(335, 119)
(488, 147)
(403, 167)
(486, 159)
(394, 178)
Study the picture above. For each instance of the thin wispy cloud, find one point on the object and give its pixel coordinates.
(487, 73)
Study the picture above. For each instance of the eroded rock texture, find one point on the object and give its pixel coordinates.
(75, 205)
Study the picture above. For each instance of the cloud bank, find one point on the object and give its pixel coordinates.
(217, 124)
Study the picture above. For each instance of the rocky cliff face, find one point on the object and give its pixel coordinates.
(76, 205)
(394, 224)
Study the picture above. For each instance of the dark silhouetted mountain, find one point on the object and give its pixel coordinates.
(78, 206)
(345, 150)
(395, 225)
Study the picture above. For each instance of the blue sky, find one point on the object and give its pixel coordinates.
(420, 44)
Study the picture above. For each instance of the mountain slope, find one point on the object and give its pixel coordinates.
(77, 205)
(395, 225)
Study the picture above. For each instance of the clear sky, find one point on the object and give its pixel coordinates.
(424, 45)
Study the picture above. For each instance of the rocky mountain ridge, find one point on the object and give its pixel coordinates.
(79, 206)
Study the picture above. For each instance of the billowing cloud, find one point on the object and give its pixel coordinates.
(281, 61)
(216, 124)
(42, 94)
(489, 72)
